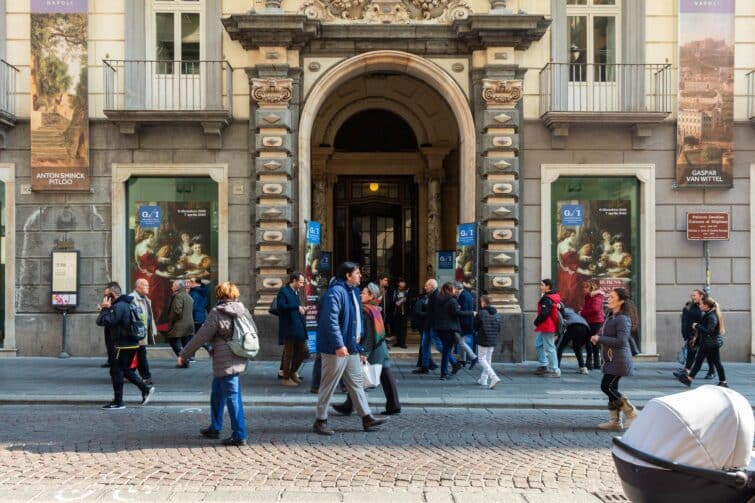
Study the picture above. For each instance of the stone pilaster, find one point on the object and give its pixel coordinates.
(274, 100)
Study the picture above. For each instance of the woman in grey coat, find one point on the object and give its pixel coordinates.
(617, 357)
(226, 366)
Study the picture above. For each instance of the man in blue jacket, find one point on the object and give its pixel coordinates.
(292, 330)
(339, 329)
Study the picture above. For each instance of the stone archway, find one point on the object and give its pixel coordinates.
(396, 61)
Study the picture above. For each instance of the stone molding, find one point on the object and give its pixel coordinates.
(645, 173)
(386, 11)
(501, 93)
(121, 172)
(8, 177)
(212, 121)
(272, 92)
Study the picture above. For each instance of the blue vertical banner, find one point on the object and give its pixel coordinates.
(313, 282)
(445, 266)
(466, 255)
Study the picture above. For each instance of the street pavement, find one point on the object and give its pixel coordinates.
(532, 439)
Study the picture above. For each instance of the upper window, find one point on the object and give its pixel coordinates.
(592, 39)
(176, 33)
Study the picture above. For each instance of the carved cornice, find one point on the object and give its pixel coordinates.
(386, 11)
(501, 93)
(272, 92)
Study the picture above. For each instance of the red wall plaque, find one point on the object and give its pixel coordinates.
(708, 226)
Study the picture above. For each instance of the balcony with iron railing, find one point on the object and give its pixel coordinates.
(751, 96)
(582, 93)
(139, 92)
(8, 76)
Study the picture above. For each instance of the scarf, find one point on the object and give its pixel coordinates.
(377, 319)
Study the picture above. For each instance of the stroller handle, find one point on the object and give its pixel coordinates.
(737, 480)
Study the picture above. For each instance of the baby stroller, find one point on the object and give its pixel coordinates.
(690, 447)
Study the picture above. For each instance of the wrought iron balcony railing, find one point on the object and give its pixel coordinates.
(169, 86)
(751, 95)
(615, 92)
(8, 76)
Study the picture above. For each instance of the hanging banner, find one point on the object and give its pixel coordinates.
(705, 115)
(315, 284)
(445, 266)
(466, 258)
(59, 95)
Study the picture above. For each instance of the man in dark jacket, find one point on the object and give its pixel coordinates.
(109, 341)
(429, 335)
(116, 315)
(339, 329)
(292, 329)
(692, 314)
(181, 318)
(487, 324)
(545, 329)
(465, 341)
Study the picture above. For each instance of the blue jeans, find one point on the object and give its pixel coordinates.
(545, 345)
(226, 391)
(428, 337)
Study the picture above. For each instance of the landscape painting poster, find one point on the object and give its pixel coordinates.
(705, 115)
(59, 95)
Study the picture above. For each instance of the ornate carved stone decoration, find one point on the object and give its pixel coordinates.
(272, 92)
(501, 93)
(386, 11)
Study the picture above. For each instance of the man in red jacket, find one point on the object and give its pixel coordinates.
(545, 329)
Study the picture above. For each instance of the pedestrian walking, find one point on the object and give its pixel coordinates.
(384, 283)
(545, 330)
(141, 298)
(399, 312)
(109, 339)
(338, 328)
(709, 332)
(487, 324)
(617, 358)
(217, 330)
(115, 314)
(375, 349)
(577, 334)
(430, 335)
(592, 312)
(292, 330)
(465, 337)
(200, 295)
(447, 325)
(692, 313)
(181, 318)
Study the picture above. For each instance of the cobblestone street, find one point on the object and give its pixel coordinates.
(154, 453)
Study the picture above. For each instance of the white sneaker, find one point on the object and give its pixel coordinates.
(553, 373)
(481, 382)
(494, 382)
(583, 370)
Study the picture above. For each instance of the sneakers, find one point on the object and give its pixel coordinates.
(230, 441)
(147, 396)
(723, 384)
(481, 382)
(473, 363)
(209, 433)
(710, 375)
(494, 382)
(114, 406)
(552, 373)
(541, 370)
(684, 379)
(583, 370)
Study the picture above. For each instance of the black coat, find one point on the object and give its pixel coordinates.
(447, 314)
(690, 314)
(487, 324)
(291, 325)
(708, 329)
(431, 310)
(117, 319)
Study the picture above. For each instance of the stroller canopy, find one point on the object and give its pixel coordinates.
(709, 427)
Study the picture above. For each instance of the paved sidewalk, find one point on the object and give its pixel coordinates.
(82, 381)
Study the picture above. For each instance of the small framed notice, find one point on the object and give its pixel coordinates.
(65, 279)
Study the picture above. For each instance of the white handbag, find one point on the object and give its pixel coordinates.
(371, 375)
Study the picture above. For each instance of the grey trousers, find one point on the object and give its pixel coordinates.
(333, 369)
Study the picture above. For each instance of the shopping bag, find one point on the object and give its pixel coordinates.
(371, 375)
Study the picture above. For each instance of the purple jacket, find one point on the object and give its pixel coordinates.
(617, 356)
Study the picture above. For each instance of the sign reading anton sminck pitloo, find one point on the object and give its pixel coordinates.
(705, 116)
(59, 95)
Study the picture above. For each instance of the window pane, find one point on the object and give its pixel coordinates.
(604, 55)
(577, 48)
(165, 48)
(576, 2)
(604, 2)
(190, 43)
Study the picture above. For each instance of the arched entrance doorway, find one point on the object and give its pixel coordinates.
(427, 101)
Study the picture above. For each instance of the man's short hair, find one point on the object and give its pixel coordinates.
(111, 284)
(180, 283)
(115, 289)
(294, 276)
(346, 268)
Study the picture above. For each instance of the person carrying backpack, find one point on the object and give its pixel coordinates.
(546, 328)
(487, 324)
(218, 330)
(119, 314)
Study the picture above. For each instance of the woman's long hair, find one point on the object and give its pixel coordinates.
(447, 290)
(628, 308)
(713, 305)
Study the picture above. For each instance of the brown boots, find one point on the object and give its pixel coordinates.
(629, 410)
(616, 408)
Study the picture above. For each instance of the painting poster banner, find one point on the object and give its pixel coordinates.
(314, 282)
(175, 247)
(705, 112)
(59, 95)
(466, 255)
(594, 246)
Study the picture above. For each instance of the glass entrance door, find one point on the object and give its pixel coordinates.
(374, 239)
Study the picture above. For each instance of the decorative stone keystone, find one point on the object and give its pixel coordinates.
(503, 235)
(501, 212)
(501, 258)
(273, 236)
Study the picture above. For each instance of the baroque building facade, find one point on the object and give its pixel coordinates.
(389, 122)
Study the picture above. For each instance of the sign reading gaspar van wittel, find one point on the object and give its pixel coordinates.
(59, 95)
(705, 118)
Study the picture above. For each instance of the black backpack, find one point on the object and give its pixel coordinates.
(136, 324)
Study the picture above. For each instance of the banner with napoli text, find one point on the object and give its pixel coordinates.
(59, 95)
(705, 112)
